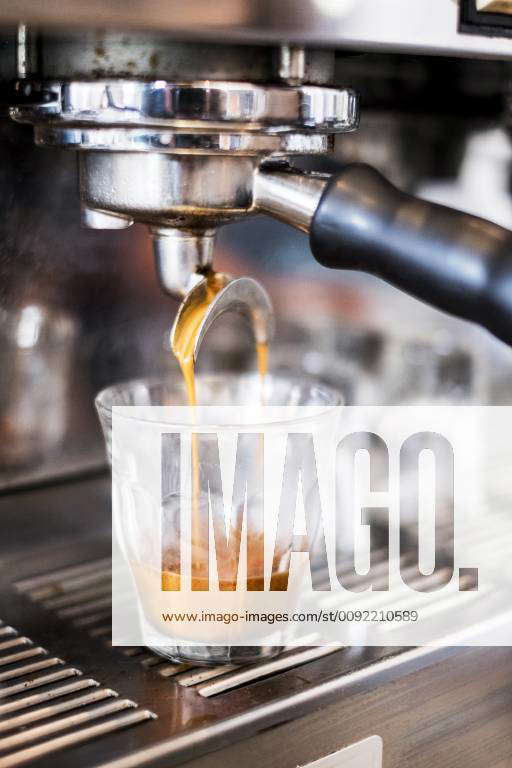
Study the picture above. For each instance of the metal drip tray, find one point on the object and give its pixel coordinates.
(68, 698)
(81, 594)
(31, 726)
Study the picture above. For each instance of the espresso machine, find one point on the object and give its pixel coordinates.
(142, 142)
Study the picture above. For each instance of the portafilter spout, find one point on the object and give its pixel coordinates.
(182, 256)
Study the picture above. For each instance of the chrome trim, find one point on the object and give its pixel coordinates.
(21, 656)
(77, 737)
(94, 618)
(86, 607)
(152, 140)
(19, 730)
(13, 643)
(77, 597)
(12, 674)
(61, 724)
(197, 105)
(181, 256)
(37, 682)
(49, 695)
(54, 709)
(290, 196)
(57, 580)
(249, 674)
(202, 674)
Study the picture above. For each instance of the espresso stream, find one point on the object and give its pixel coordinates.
(185, 335)
(184, 340)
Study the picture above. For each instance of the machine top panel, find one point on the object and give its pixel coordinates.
(417, 26)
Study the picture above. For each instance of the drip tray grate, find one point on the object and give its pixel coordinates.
(76, 708)
(81, 594)
(62, 714)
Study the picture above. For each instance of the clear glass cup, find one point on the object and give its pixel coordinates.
(150, 556)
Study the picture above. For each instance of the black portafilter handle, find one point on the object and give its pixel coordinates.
(456, 262)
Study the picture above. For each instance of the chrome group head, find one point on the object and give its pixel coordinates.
(180, 157)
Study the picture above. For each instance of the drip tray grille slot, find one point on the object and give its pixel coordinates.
(47, 705)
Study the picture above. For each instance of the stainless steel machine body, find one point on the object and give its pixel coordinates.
(193, 115)
(427, 705)
(183, 157)
(361, 25)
